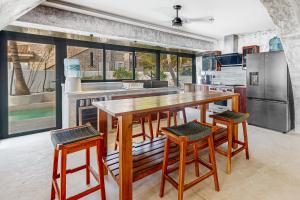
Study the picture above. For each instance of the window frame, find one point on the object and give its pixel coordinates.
(122, 50)
(157, 59)
(61, 53)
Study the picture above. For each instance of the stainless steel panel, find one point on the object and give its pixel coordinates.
(277, 116)
(257, 111)
(276, 76)
(255, 69)
(269, 114)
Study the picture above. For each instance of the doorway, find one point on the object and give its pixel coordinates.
(31, 85)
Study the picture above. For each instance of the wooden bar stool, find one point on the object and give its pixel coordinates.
(183, 135)
(69, 141)
(141, 120)
(230, 119)
(169, 113)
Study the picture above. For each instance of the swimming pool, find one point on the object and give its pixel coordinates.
(32, 113)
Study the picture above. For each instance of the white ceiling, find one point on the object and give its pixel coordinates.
(231, 16)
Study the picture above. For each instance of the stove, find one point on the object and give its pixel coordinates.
(220, 106)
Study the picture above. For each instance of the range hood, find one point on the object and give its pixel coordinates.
(231, 58)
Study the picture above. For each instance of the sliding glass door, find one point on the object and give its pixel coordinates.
(145, 66)
(185, 71)
(168, 68)
(31, 76)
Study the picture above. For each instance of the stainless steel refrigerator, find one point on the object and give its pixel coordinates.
(269, 91)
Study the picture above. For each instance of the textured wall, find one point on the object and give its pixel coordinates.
(66, 21)
(260, 38)
(286, 15)
(10, 10)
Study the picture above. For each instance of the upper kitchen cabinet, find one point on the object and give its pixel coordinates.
(209, 61)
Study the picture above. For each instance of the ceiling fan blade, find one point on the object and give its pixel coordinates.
(208, 19)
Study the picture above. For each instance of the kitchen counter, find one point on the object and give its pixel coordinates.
(71, 100)
(120, 91)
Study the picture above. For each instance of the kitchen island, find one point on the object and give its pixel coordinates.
(74, 104)
(123, 170)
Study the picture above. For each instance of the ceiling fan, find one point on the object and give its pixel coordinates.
(178, 22)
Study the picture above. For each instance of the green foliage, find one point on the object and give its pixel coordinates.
(97, 77)
(147, 61)
(187, 71)
(49, 89)
(164, 60)
(163, 76)
(122, 73)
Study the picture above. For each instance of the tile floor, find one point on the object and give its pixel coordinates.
(271, 173)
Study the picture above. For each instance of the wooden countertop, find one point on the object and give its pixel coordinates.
(160, 103)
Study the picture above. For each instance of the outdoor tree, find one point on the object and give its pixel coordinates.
(147, 61)
(169, 64)
(21, 87)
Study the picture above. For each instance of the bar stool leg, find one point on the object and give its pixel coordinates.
(164, 168)
(245, 139)
(158, 124)
(196, 158)
(117, 137)
(150, 126)
(175, 118)
(213, 136)
(229, 150)
(169, 118)
(184, 116)
(54, 173)
(183, 145)
(88, 179)
(100, 170)
(142, 121)
(63, 177)
(213, 162)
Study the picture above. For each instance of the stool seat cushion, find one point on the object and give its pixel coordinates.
(192, 130)
(76, 134)
(237, 117)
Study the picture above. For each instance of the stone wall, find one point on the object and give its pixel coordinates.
(260, 38)
(11, 10)
(286, 16)
(54, 19)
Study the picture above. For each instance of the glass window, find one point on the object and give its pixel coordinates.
(184, 71)
(31, 86)
(168, 68)
(145, 66)
(91, 61)
(119, 65)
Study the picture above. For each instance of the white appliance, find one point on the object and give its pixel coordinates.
(220, 106)
(72, 74)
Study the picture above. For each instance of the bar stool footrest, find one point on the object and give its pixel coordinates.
(236, 151)
(190, 184)
(84, 193)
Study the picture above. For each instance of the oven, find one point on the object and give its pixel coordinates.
(86, 112)
(220, 106)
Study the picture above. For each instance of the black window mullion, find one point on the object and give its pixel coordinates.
(194, 73)
(177, 63)
(133, 64)
(61, 54)
(3, 87)
(104, 63)
(157, 65)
